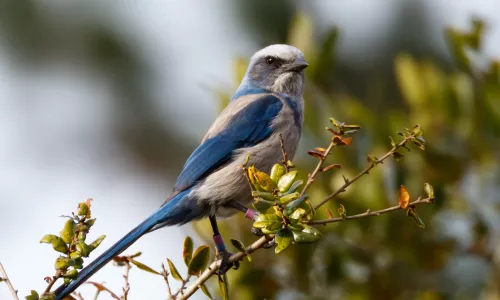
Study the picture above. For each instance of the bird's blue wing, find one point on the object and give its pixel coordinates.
(248, 127)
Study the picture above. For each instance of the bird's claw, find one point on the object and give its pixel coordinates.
(225, 265)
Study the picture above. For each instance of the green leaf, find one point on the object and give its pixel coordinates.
(187, 250)
(302, 237)
(411, 212)
(288, 198)
(173, 271)
(295, 186)
(269, 221)
(276, 172)
(57, 243)
(286, 181)
(262, 205)
(393, 143)
(82, 249)
(72, 274)
(32, 296)
(224, 286)
(205, 291)
(83, 209)
(239, 245)
(96, 243)
(143, 267)
(199, 262)
(68, 232)
(429, 190)
(264, 181)
(263, 195)
(62, 263)
(342, 211)
(295, 203)
(283, 240)
(298, 214)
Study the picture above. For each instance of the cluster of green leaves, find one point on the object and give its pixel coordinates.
(283, 210)
(196, 262)
(71, 243)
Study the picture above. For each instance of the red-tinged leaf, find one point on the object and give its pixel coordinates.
(102, 288)
(347, 140)
(404, 198)
(187, 250)
(143, 267)
(342, 211)
(319, 149)
(315, 154)
(333, 166)
(329, 213)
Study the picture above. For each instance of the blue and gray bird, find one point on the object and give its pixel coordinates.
(267, 103)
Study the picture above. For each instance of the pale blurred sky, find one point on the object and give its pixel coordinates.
(57, 152)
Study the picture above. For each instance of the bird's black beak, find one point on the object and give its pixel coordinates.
(298, 65)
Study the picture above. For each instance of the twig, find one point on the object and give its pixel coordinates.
(372, 165)
(181, 289)
(101, 287)
(164, 273)
(78, 295)
(369, 213)
(8, 282)
(212, 269)
(310, 178)
(285, 156)
(126, 288)
(52, 281)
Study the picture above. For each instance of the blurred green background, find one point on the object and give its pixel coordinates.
(384, 66)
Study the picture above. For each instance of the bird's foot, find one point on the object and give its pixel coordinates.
(225, 264)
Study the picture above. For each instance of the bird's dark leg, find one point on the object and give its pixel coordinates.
(225, 265)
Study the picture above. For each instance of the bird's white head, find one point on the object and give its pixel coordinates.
(279, 69)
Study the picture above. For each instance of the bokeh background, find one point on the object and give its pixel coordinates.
(106, 99)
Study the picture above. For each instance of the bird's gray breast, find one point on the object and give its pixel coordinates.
(229, 184)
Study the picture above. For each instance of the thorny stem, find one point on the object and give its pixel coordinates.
(285, 155)
(181, 289)
(126, 288)
(364, 172)
(322, 159)
(8, 282)
(369, 213)
(164, 273)
(100, 287)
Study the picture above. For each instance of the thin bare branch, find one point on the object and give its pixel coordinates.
(369, 213)
(321, 161)
(372, 165)
(7, 281)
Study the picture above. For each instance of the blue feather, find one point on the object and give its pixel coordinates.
(248, 89)
(176, 211)
(248, 127)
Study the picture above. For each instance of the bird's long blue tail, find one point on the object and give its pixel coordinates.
(178, 210)
(107, 256)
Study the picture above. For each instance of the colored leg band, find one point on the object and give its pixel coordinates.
(250, 214)
(219, 243)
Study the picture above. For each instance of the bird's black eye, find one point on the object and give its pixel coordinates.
(270, 60)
